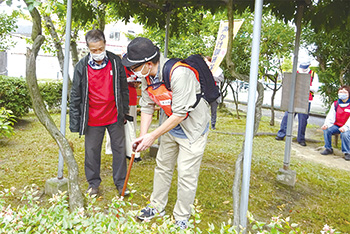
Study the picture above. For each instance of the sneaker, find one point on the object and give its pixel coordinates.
(279, 138)
(149, 212)
(302, 143)
(92, 191)
(126, 192)
(182, 224)
(327, 151)
(347, 157)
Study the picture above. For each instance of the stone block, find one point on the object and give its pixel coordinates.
(53, 185)
(287, 177)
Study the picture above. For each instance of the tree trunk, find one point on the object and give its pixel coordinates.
(235, 99)
(60, 56)
(73, 47)
(274, 91)
(75, 198)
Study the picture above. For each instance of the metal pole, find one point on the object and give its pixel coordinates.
(249, 133)
(166, 45)
(65, 84)
(287, 149)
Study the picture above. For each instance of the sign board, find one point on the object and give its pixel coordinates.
(302, 90)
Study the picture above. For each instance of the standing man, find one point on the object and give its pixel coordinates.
(99, 100)
(218, 77)
(184, 128)
(304, 67)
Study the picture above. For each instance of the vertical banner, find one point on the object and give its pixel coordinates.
(221, 43)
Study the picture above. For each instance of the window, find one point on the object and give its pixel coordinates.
(114, 36)
(117, 36)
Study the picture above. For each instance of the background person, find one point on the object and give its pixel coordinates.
(133, 83)
(304, 67)
(184, 133)
(337, 122)
(99, 100)
(218, 77)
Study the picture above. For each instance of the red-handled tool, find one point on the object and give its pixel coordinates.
(129, 169)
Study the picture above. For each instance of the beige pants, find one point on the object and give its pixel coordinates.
(188, 157)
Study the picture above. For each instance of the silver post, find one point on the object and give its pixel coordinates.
(288, 143)
(249, 133)
(65, 84)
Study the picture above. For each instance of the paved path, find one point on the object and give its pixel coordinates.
(312, 151)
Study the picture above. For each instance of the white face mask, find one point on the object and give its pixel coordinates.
(98, 57)
(342, 96)
(139, 73)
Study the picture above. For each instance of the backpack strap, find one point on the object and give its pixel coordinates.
(167, 70)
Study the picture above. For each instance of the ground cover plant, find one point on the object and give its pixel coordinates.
(319, 197)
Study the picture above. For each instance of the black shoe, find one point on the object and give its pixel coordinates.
(347, 157)
(149, 212)
(302, 143)
(126, 192)
(182, 224)
(92, 191)
(213, 127)
(135, 159)
(279, 138)
(327, 151)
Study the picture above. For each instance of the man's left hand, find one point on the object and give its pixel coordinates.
(144, 142)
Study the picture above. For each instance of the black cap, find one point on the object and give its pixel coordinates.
(140, 50)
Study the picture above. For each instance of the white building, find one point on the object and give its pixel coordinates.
(47, 63)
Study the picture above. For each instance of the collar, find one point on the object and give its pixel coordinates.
(341, 101)
(94, 65)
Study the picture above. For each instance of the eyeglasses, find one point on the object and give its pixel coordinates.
(139, 65)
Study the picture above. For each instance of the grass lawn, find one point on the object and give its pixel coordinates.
(320, 196)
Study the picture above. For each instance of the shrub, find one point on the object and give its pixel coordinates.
(7, 119)
(32, 218)
(14, 95)
(52, 94)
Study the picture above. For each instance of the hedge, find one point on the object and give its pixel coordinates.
(14, 95)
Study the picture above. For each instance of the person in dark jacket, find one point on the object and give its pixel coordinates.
(99, 100)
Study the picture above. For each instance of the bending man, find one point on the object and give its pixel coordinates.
(184, 128)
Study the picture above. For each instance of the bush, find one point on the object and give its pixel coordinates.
(14, 95)
(52, 94)
(57, 218)
(7, 119)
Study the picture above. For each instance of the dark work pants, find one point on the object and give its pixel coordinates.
(213, 108)
(302, 122)
(93, 144)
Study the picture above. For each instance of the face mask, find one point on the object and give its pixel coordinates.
(98, 57)
(343, 96)
(139, 73)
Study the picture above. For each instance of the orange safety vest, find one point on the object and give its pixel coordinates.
(163, 96)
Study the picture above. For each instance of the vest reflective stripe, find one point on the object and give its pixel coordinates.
(342, 115)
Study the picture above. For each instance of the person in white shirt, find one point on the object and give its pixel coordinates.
(337, 122)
